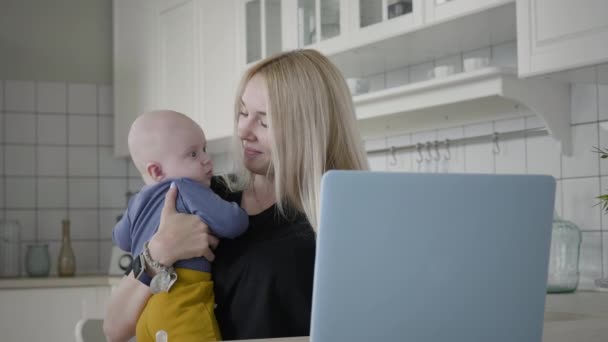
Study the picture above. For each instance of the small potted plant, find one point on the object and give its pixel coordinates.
(603, 152)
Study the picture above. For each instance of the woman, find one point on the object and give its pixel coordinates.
(294, 121)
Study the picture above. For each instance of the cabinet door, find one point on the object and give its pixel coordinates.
(319, 20)
(48, 314)
(134, 66)
(260, 26)
(375, 20)
(179, 43)
(220, 71)
(554, 35)
(439, 10)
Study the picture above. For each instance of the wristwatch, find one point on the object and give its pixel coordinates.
(139, 266)
(165, 275)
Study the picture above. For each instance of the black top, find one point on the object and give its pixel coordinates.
(263, 279)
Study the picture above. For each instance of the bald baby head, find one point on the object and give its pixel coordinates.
(167, 144)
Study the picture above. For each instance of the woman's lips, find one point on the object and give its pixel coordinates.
(250, 152)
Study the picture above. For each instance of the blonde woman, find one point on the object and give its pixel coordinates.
(294, 121)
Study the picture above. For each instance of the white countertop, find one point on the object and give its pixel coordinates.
(54, 282)
(576, 317)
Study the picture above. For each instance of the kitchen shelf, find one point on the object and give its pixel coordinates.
(481, 95)
(395, 44)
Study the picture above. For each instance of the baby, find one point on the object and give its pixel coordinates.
(169, 148)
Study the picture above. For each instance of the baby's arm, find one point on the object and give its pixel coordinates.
(122, 232)
(225, 219)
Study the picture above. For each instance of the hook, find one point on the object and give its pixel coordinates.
(428, 150)
(448, 155)
(420, 158)
(496, 147)
(393, 162)
(437, 154)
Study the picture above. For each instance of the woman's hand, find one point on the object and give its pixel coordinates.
(180, 236)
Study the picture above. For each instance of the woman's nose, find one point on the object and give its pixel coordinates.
(245, 131)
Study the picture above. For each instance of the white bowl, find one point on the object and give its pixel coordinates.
(357, 85)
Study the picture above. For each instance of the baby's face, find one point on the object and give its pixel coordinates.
(187, 157)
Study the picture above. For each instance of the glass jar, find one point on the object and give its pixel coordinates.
(563, 261)
(10, 256)
(37, 260)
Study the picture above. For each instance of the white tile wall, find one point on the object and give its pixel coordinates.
(590, 262)
(377, 161)
(52, 160)
(20, 160)
(82, 130)
(584, 103)
(106, 130)
(20, 128)
(82, 99)
(83, 193)
(51, 97)
(82, 161)
(19, 96)
(93, 206)
(84, 224)
(510, 158)
(27, 222)
(49, 178)
(52, 129)
(578, 176)
(20, 192)
(105, 100)
(49, 223)
(52, 193)
(111, 193)
(583, 162)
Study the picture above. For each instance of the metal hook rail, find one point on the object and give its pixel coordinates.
(494, 138)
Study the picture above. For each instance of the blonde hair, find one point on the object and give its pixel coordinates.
(313, 125)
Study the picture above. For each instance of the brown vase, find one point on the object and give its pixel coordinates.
(66, 265)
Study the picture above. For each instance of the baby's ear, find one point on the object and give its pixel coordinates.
(155, 171)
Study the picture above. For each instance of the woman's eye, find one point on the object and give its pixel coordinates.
(243, 114)
(193, 154)
(264, 124)
(205, 149)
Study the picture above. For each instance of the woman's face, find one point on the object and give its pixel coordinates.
(252, 127)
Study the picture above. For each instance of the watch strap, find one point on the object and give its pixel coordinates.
(143, 276)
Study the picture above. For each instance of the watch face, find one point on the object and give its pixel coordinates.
(137, 269)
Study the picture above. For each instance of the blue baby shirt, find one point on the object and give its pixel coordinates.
(142, 217)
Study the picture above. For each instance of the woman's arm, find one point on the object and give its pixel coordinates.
(179, 236)
(126, 303)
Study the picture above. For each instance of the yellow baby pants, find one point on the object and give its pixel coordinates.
(185, 312)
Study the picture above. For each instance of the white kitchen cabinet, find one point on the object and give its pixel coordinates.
(48, 314)
(178, 55)
(179, 41)
(439, 10)
(220, 72)
(319, 20)
(555, 35)
(135, 66)
(260, 28)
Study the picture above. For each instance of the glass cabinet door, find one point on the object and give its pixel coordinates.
(263, 35)
(318, 20)
(376, 11)
(253, 30)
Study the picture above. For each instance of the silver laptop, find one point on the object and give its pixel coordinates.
(432, 257)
